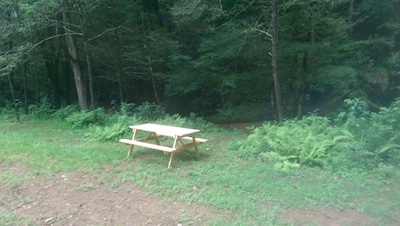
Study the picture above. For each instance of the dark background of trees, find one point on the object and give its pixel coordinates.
(199, 56)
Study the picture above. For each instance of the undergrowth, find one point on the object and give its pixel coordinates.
(356, 139)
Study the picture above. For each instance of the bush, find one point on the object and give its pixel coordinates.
(106, 133)
(149, 111)
(42, 109)
(377, 134)
(360, 139)
(304, 142)
(65, 112)
(87, 117)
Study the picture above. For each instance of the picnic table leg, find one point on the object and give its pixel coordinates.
(197, 152)
(170, 160)
(133, 138)
(130, 150)
(197, 149)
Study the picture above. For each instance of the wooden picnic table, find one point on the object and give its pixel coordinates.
(183, 138)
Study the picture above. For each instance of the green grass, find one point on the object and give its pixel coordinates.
(9, 219)
(249, 190)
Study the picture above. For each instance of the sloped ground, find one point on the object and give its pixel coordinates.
(79, 199)
(82, 199)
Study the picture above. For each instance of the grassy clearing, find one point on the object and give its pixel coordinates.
(249, 190)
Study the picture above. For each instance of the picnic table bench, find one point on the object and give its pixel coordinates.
(155, 131)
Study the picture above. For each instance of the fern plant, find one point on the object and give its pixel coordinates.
(304, 142)
(107, 133)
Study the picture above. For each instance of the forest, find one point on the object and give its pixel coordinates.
(208, 57)
(319, 80)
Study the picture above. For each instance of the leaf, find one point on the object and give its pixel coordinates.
(388, 147)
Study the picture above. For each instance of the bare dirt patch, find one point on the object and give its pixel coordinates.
(83, 199)
(79, 199)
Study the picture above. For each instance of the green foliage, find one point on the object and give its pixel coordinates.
(376, 136)
(107, 133)
(87, 117)
(126, 109)
(42, 109)
(361, 140)
(340, 79)
(149, 111)
(65, 111)
(302, 142)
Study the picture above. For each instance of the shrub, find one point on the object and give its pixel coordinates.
(149, 111)
(87, 117)
(114, 131)
(42, 109)
(377, 134)
(360, 140)
(65, 111)
(304, 142)
(106, 133)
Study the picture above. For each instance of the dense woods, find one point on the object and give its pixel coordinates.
(200, 56)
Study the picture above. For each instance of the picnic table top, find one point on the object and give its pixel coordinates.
(165, 130)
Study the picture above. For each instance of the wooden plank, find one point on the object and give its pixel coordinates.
(186, 146)
(198, 140)
(163, 130)
(147, 145)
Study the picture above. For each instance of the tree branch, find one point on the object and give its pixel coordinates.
(104, 32)
(262, 31)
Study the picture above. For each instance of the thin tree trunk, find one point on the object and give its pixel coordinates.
(351, 10)
(73, 54)
(118, 58)
(153, 82)
(37, 91)
(88, 61)
(90, 76)
(25, 76)
(275, 60)
(15, 102)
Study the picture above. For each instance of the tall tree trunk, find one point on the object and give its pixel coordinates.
(90, 76)
(153, 82)
(88, 61)
(278, 98)
(25, 76)
(308, 70)
(52, 63)
(118, 58)
(73, 55)
(14, 100)
(36, 73)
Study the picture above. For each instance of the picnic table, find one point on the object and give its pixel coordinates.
(183, 138)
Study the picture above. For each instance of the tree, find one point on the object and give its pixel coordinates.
(274, 53)
(73, 55)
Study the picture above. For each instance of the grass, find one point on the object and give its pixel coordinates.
(249, 190)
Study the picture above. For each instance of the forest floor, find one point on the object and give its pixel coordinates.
(82, 199)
